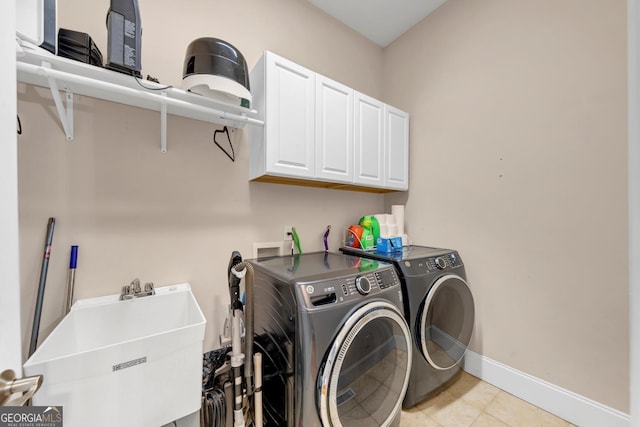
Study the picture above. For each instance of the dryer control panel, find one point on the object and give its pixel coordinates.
(347, 289)
(431, 264)
(444, 262)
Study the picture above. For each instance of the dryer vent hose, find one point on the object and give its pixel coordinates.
(240, 270)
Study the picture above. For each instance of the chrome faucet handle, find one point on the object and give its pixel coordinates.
(148, 289)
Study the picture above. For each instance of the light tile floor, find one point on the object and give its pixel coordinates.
(470, 402)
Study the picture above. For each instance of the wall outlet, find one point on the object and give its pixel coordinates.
(287, 234)
(225, 336)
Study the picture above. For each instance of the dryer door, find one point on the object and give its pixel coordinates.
(445, 322)
(365, 374)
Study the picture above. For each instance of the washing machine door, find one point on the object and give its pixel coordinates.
(445, 322)
(365, 374)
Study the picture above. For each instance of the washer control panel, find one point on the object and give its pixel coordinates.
(367, 283)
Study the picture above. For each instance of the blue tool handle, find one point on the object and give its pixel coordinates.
(325, 237)
(73, 259)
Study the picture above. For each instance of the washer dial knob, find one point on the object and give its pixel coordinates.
(440, 263)
(363, 285)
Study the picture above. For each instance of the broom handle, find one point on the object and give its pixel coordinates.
(43, 279)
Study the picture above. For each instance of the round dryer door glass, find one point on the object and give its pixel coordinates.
(446, 321)
(366, 372)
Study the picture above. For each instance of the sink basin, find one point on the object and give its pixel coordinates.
(135, 362)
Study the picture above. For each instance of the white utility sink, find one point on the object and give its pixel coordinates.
(135, 362)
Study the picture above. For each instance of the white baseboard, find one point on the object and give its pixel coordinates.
(566, 404)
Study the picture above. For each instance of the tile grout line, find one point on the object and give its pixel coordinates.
(484, 408)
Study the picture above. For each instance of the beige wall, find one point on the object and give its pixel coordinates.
(173, 217)
(518, 159)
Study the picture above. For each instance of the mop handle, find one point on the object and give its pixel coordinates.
(43, 279)
(73, 261)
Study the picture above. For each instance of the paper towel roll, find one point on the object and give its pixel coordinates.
(391, 220)
(384, 231)
(382, 218)
(398, 212)
(392, 230)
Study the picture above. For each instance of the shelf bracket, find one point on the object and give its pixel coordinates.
(163, 122)
(65, 110)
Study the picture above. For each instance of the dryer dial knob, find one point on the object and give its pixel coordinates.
(441, 263)
(363, 285)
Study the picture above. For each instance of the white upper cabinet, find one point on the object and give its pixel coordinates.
(284, 94)
(319, 132)
(369, 140)
(396, 124)
(290, 112)
(334, 130)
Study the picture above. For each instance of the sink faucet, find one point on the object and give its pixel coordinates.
(133, 290)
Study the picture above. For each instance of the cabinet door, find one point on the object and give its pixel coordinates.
(289, 112)
(368, 141)
(397, 148)
(334, 130)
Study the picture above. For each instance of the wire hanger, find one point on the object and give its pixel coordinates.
(232, 156)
